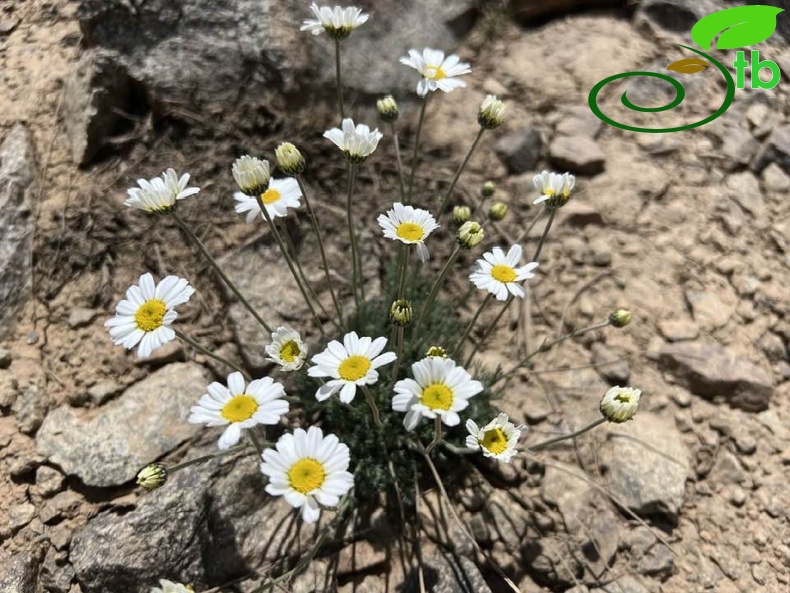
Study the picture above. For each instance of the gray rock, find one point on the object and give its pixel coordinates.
(200, 52)
(20, 515)
(625, 584)
(674, 16)
(95, 96)
(30, 408)
(21, 574)
(579, 214)
(520, 150)
(103, 390)
(528, 11)
(776, 149)
(646, 465)
(711, 306)
(65, 505)
(17, 172)
(24, 464)
(713, 373)
(447, 573)
(678, 330)
(146, 422)
(56, 572)
(8, 25)
(274, 295)
(580, 121)
(226, 527)
(739, 146)
(577, 154)
(775, 179)
(81, 316)
(615, 373)
(48, 480)
(745, 191)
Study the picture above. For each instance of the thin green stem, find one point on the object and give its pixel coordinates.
(437, 285)
(488, 331)
(399, 330)
(530, 226)
(402, 272)
(437, 435)
(468, 329)
(352, 173)
(374, 410)
(317, 230)
(199, 244)
(399, 162)
(290, 263)
(339, 80)
(545, 234)
(458, 173)
(256, 442)
(546, 346)
(183, 337)
(416, 149)
(563, 437)
(184, 464)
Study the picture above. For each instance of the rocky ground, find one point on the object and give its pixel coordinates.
(688, 230)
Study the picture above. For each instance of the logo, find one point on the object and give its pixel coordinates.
(737, 27)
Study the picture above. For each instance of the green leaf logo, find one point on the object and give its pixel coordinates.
(739, 26)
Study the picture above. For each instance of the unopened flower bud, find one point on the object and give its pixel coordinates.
(152, 476)
(461, 214)
(488, 189)
(387, 108)
(620, 318)
(470, 234)
(492, 113)
(289, 159)
(497, 211)
(619, 404)
(436, 351)
(401, 312)
(251, 175)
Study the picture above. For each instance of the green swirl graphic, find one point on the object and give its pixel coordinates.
(680, 94)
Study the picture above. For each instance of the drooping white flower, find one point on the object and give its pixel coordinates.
(437, 71)
(251, 174)
(352, 363)
(619, 404)
(287, 349)
(147, 312)
(555, 188)
(160, 194)
(497, 439)
(492, 113)
(309, 469)
(356, 141)
(408, 225)
(239, 406)
(338, 22)
(281, 195)
(499, 273)
(439, 389)
(166, 586)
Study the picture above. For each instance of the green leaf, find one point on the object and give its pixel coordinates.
(739, 26)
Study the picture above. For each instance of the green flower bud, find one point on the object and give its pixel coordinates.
(461, 214)
(492, 113)
(497, 211)
(470, 234)
(387, 108)
(401, 312)
(437, 351)
(251, 175)
(488, 189)
(620, 318)
(289, 159)
(152, 476)
(619, 404)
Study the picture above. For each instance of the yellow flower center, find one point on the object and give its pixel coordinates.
(270, 196)
(409, 231)
(306, 475)
(354, 368)
(435, 72)
(239, 408)
(495, 441)
(150, 315)
(290, 351)
(503, 273)
(437, 396)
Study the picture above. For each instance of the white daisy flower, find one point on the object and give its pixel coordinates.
(287, 349)
(147, 312)
(408, 225)
(499, 273)
(439, 389)
(619, 404)
(281, 195)
(497, 439)
(309, 469)
(166, 586)
(352, 363)
(338, 22)
(160, 194)
(239, 406)
(555, 188)
(437, 71)
(356, 141)
(251, 174)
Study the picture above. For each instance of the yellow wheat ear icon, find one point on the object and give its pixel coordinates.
(688, 65)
